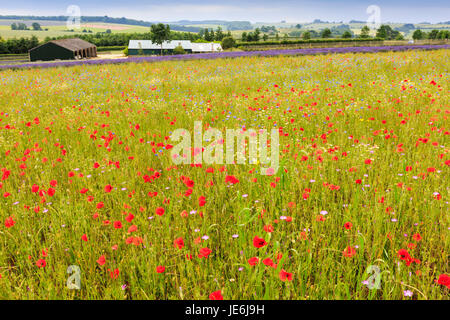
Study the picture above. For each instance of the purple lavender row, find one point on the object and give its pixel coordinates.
(234, 54)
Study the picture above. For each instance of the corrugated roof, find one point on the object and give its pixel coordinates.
(148, 44)
(206, 47)
(71, 44)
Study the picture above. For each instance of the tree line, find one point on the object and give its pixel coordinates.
(22, 26)
(17, 46)
(384, 32)
(433, 34)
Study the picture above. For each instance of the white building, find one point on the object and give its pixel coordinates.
(147, 47)
(206, 47)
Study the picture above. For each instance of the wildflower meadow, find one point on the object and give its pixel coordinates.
(93, 204)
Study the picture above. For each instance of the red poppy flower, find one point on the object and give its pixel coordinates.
(403, 254)
(114, 274)
(129, 217)
(285, 275)
(178, 243)
(348, 225)
(349, 252)
(268, 262)
(443, 280)
(160, 269)
(231, 179)
(51, 192)
(41, 263)
(159, 211)
(259, 242)
(101, 260)
(6, 174)
(201, 201)
(84, 237)
(132, 228)
(117, 224)
(204, 252)
(253, 261)
(9, 222)
(216, 295)
(108, 188)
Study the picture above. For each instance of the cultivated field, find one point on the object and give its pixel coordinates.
(87, 179)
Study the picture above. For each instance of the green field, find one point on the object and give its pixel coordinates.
(88, 179)
(61, 29)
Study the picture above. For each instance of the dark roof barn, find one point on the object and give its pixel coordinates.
(63, 49)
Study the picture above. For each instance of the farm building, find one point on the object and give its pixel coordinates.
(147, 47)
(206, 47)
(64, 49)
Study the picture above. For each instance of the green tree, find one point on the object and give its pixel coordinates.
(433, 34)
(382, 32)
(209, 36)
(418, 35)
(34, 42)
(265, 37)
(365, 32)
(306, 35)
(347, 34)
(443, 34)
(14, 26)
(179, 50)
(3, 47)
(228, 43)
(244, 36)
(326, 33)
(212, 35)
(256, 35)
(219, 34)
(36, 26)
(386, 32)
(159, 33)
(22, 26)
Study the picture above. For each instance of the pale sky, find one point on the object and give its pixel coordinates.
(255, 11)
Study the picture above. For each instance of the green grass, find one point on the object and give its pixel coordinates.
(336, 112)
